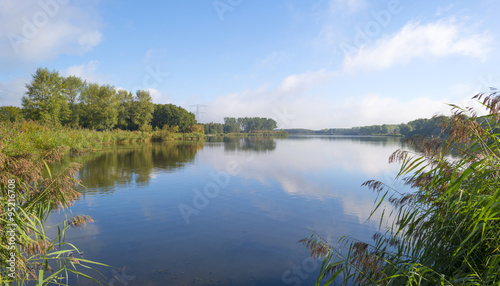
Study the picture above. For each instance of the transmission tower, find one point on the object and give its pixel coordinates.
(198, 112)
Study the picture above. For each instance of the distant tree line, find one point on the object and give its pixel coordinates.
(213, 128)
(241, 124)
(426, 127)
(72, 101)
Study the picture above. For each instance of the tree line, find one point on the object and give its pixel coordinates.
(241, 124)
(72, 101)
(426, 127)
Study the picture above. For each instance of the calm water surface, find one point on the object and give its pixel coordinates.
(224, 212)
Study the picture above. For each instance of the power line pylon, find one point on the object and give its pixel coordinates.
(197, 113)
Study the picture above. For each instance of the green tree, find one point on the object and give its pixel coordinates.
(45, 97)
(172, 115)
(248, 124)
(213, 128)
(269, 124)
(142, 110)
(186, 119)
(162, 116)
(230, 125)
(125, 99)
(99, 106)
(73, 87)
(405, 129)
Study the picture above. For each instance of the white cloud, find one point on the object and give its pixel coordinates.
(415, 40)
(298, 83)
(89, 40)
(375, 109)
(265, 101)
(85, 71)
(34, 32)
(315, 156)
(295, 104)
(157, 96)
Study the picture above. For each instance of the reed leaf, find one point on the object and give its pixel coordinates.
(446, 230)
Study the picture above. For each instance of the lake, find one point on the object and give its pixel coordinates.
(227, 211)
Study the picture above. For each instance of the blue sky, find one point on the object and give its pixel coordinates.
(308, 64)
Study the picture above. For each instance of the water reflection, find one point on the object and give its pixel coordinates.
(137, 164)
(247, 233)
(319, 168)
(256, 144)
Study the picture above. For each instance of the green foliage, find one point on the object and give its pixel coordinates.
(33, 137)
(167, 133)
(73, 87)
(10, 113)
(445, 232)
(142, 111)
(125, 102)
(405, 129)
(213, 128)
(426, 127)
(172, 115)
(248, 124)
(27, 197)
(171, 133)
(45, 97)
(74, 102)
(196, 129)
(99, 107)
(231, 125)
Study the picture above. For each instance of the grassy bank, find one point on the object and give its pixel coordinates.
(29, 193)
(254, 134)
(171, 133)
(32, 137)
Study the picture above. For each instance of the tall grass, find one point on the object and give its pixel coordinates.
(446, 232)
(27, 197)
(171, 133)
(32, 137)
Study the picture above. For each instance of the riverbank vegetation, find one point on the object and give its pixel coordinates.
(71, 101)
(29, 193)
(445, 232)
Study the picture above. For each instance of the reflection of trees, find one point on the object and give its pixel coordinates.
(258, 144)
(104, 170)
